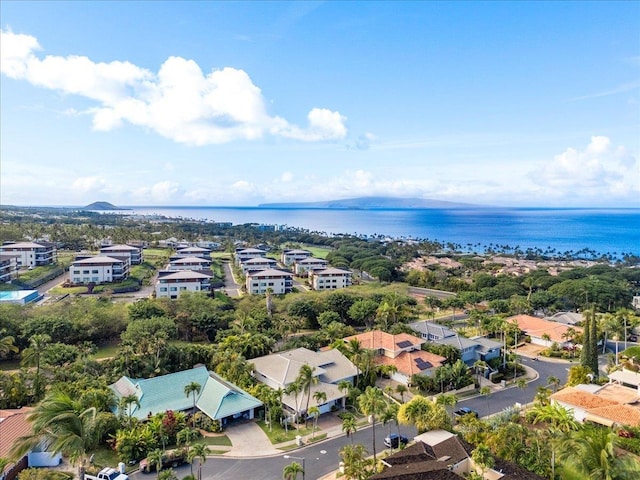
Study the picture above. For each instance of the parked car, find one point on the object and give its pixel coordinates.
(465, 411)
(169, 460)
(394, 440)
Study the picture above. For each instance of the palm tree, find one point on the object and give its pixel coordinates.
(371, 403)
(481, 456)
(294, 388)
(315, 413)
(591, 451)
(389, 415)
(199, 451)
(425, 414)
(307, 379)
(356, 464)
(7, 344)
(349, 425)
(486, 392)
(64, 425)
(448, 401)
(291, 471)
(320, 397)
(32, 355)
(154, 458)
(554, 382)
(401, 389)
(127, 401)
(194, 389)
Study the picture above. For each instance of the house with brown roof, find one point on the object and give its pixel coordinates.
(441, 455)
(544, 332)
(13, 425)
(403, 351)
(608, 405)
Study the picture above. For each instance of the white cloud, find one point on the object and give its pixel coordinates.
(88, 184)
(180, 102)
(286, 177)
(163, 191)
(596, 171)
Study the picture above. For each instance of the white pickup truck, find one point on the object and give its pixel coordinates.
(107, 473)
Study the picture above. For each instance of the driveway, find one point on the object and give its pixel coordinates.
(248, 440)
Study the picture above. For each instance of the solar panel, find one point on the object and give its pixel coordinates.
(423, 364)
(404, 344)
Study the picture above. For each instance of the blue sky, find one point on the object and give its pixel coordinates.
(241, 103)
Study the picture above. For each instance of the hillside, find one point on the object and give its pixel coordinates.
(373, 202)
(102, 206)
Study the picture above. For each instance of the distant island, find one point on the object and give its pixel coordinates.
(103, 206)
(365, 203)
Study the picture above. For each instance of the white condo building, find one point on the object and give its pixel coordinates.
(330, 279)
(100, 269)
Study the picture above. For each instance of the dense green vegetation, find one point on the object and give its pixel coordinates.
(73, 349)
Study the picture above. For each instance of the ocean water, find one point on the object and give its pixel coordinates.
(606, 231)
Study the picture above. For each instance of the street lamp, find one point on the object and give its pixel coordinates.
(297, 458)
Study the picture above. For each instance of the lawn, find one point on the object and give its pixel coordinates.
(317, 252)
(221, 255)
(221, 441)
(278, 434)
(68, 290)
(106, 351)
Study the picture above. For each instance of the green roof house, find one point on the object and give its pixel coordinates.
(218, 399)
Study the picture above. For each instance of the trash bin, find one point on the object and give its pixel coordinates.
(503, 383)
(299, 440)
(122, 467)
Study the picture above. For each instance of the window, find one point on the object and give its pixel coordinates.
(85, 272)
(173, 289)
(163, 289)
(95, 279)
(94, 271)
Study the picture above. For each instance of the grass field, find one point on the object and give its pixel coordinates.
(221, 441)
(278, 434)
(317, 252)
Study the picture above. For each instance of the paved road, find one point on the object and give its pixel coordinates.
(501, 399)
(230, 286)
(320, 459)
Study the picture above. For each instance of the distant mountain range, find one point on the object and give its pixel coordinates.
(103, 206)
(364, 203)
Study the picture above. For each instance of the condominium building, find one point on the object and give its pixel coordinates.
(100, 269)
(132, 254)
(31, 254)
(289, 257)
(171, 284)
(330, 279)
(279, 281)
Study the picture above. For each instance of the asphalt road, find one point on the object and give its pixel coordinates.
(320, 459)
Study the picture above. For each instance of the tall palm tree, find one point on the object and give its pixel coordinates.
(199, 451)
(193, 388)
(291, 471)
(372, 403)
(349, 425)
(448, 401)
(307, 379)
(127, 402)
(32, 355)
(294, 388)
(315, 413)
(401, 389)
(64, 425)
(320, 397)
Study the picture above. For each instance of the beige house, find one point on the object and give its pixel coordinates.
(330, 279)
(330, 367)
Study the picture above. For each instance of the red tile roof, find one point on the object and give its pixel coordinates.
(537, 327)
(377, 339)
(13, 427)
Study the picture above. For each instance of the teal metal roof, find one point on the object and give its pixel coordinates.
(218, 398)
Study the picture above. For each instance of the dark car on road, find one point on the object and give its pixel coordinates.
(465, 411)
(394, 440)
